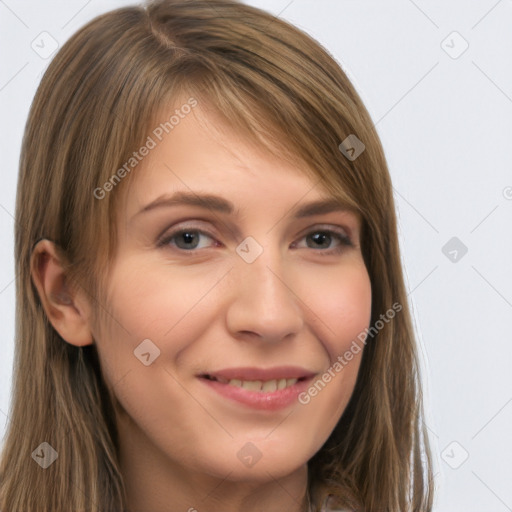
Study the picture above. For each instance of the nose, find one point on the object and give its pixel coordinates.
(264, 302)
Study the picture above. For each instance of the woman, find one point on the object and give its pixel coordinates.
(211, 312)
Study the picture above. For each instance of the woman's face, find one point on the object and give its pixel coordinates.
(249, 288)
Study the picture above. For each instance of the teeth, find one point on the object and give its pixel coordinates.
(252, 385)
(257, 385)
(269, 386)
(281, 384)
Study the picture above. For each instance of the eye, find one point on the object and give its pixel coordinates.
(323, 238)
(185, 239)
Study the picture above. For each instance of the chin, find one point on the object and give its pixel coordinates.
(257, 459)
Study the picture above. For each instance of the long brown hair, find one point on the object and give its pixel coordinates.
(96, 104)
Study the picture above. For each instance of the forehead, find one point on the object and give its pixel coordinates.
(202, 155)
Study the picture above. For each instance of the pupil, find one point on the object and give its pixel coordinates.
(188, 238)
(320, 237)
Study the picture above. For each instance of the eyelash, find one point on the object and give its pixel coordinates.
(344, 240)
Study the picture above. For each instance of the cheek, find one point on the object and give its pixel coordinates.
(344, 307)
(342, 304)
(149, 301)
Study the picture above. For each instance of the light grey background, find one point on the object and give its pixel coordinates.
(445, 120)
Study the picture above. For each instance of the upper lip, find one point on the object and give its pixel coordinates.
(263, 374)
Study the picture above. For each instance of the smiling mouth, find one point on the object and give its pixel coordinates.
(267, 386)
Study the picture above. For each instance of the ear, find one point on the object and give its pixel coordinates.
(67, 310)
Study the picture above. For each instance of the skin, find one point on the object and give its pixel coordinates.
(299, 303)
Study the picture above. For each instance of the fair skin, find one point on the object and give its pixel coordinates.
(301, 302)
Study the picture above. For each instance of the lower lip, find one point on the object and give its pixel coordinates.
(264, 401)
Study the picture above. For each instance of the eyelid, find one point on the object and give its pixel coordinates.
(192, 224)
(341, 230)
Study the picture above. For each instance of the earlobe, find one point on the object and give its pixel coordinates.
(66, 309)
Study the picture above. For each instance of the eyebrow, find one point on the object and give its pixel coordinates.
(221, 205)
